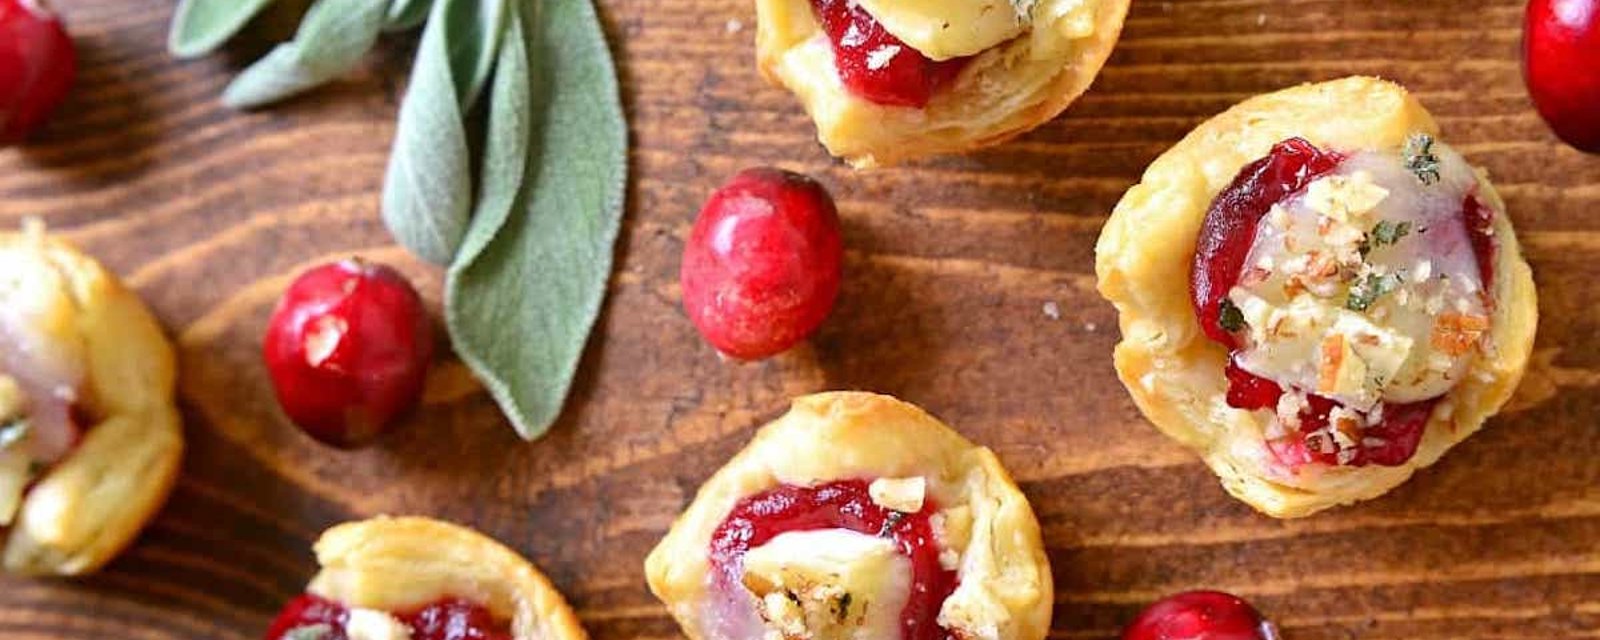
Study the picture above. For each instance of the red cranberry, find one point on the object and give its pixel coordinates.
(877, 66)
(37, 66)
(1200, 615)
(348, 349)
(761, 269)
(1561, 64)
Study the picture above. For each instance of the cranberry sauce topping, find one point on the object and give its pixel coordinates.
(1230, 226)
(877, 66)
(1226, 238)
(449, 619)
(846, 505)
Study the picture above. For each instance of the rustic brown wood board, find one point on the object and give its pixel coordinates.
(952, 265)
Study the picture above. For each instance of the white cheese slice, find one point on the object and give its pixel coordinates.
(944, 29)
(905, 495)
(369, 624)
(829, 584)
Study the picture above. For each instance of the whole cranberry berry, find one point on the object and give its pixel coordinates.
(1200, 615)
(348, 349)
(37, 66)
(762, 266)
(1561, 64)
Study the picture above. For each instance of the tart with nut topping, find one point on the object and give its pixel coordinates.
(1317, 294)
(89, 435)
(893, 80)
(856, 516)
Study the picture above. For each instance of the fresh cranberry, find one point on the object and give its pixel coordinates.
(348, 349)
(877, 66)
(1200, 615)
(37, 66)
(761, 269)
(844, 504)
(307, 612)
(1561, 64)
(1230, 225)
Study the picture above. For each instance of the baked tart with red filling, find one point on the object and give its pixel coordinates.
(90, 440)
(1317, 294)
(421, 579)
(893, 80)
(856, 516)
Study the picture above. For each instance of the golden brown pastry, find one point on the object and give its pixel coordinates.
(89, 435)
(892, 80)
(1317, 295)
(409, 578)
(856, 516)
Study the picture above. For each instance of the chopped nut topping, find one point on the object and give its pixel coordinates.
(1456, 333)
(905, 495)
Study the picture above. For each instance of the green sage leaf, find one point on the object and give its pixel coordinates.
(200, 26)
(406, 14)
(473, 30)
(506, 142)
(520, 310)
(332, 39)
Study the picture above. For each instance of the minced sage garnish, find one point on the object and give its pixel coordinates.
(1366, 291)
(1420, 159)
(1229, 315)
(1385, 232)
(529, 241)
(319, 631)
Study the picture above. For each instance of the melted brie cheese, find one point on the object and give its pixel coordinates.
(368, 624)
(1349, 284)
(829, 584)
(944, 29)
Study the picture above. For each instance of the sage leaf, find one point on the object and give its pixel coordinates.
(473, 30)
(331, 40)
(200, 26)
(505, 143)
(406, 14)
(521, 310)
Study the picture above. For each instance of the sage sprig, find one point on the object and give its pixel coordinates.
(556, 246)
(529, 243)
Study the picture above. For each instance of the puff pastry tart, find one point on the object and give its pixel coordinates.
(856, 516)
(89, 436)
(891, 80)
(1317, 295)
(421, 579)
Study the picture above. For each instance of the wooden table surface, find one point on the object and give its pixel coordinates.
(969, 291)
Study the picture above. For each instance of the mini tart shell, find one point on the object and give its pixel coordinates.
(1000, 95)
(1004, 573)
(1175, 373)
(92, 504)
(396, 564)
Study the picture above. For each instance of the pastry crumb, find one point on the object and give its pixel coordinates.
(1052, 310)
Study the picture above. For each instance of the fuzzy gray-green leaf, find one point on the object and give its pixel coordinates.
(405, 14)
(427, 191)
(506, 142)
(200, 26)
(333, 37)
(474, 29)
(520, 312)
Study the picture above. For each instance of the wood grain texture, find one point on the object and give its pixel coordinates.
(207, 213)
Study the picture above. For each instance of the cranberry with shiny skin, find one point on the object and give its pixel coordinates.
(1561, 65)
(762, 266)
(1200, 615)
(348, 349)
(37, 67)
